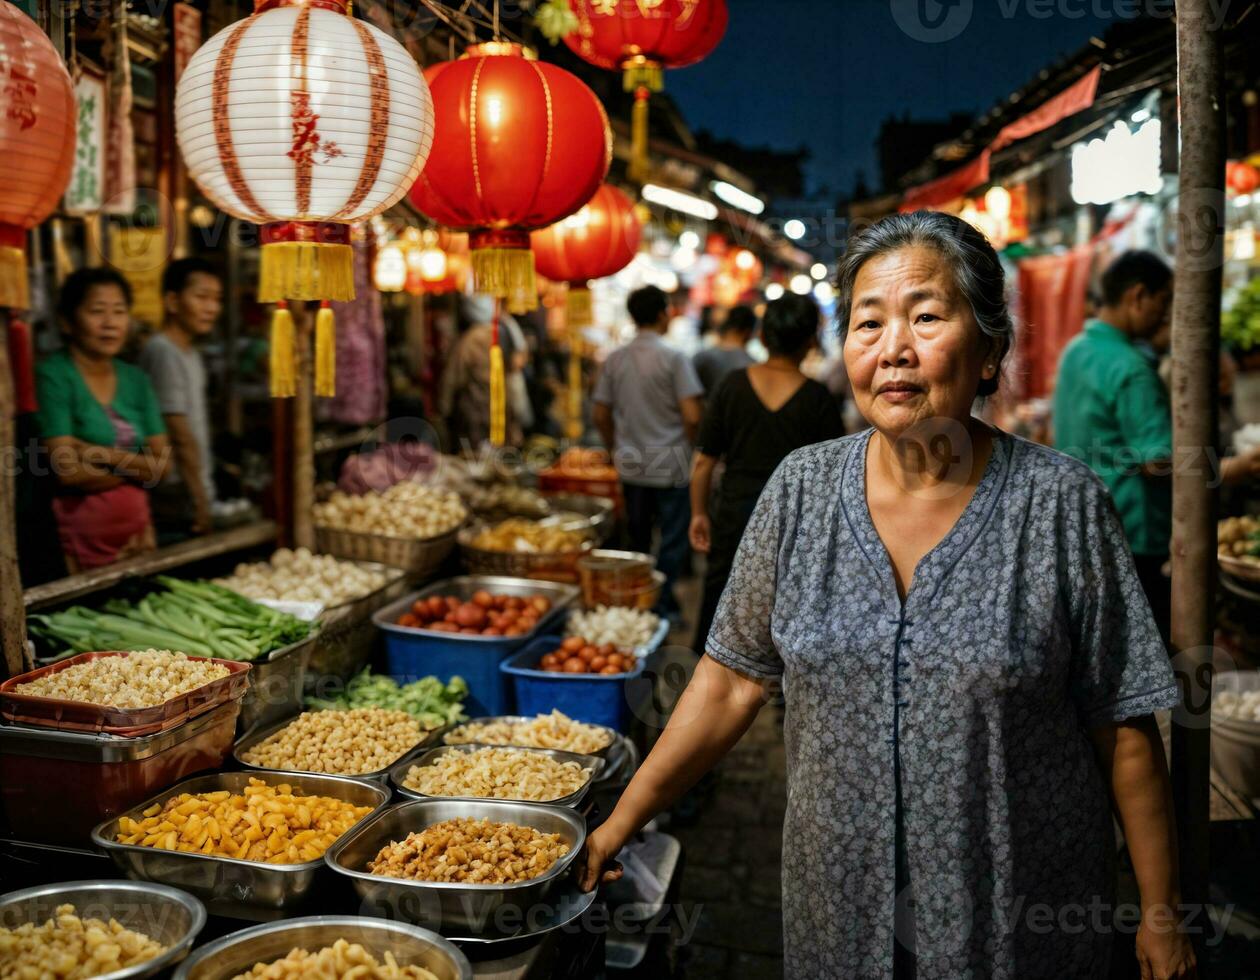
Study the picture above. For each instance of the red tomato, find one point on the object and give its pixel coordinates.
(471, 615)
(605, 649)
(470, 630)
(548, 659)
(483, 598)
(597, 664)
(491, 631)
(588, 653)
(541, 604)
(419, 607)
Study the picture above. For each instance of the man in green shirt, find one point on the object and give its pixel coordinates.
(1111, 411)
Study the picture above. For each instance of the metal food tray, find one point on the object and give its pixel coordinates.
(83, 716)
(464, 587)
(229, 881)
(451, 904)
(235, 954)
(594, 765)
(599, 753)
(380, 776)
(166, 915)
(277, 683)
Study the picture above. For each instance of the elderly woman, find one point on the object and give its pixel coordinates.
(968, 662)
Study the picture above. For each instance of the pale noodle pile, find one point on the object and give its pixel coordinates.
(498, 774)
(70, 948)
(336, 962)
(553, 731)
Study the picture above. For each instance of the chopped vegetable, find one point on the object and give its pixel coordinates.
(433, 703)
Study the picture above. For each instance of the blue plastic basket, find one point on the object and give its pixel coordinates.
(599, 699)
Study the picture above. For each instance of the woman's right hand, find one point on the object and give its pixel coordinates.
(698, 534)
(597, 862)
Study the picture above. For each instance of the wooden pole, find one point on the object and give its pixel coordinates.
(1196, 364)
(303, 432)
(12, 610)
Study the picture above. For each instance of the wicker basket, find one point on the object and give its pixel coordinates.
(556, 567)
(418, 557)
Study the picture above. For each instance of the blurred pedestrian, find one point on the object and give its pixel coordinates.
(101, 425)
(730, 353)
(755, 417)
(647, 409)
(464, 394)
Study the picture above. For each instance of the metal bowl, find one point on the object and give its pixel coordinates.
(167, 915)
(593, 764)
(227, 882)
(601, 753)
(479, 908)
(412, 946)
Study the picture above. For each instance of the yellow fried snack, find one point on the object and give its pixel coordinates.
(71, 948)
(270, 824)
(474, 852)
(341, 959)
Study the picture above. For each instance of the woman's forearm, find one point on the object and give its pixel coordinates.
(1132, 757)
(701, 480)
(713, 713)
(146, 467)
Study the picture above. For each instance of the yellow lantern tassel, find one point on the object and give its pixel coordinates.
(507, 273)
(13, 288)
(579, 311)
(574, 425)
(283, 368)
(639, 167)
(498, 397)
(306, 270)
(325, 352)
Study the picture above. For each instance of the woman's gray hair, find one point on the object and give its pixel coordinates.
(975, 266)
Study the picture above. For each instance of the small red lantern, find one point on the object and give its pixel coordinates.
(1242, 177)
(520, 144)
(643, 38)
(600, 240)
(37, 122)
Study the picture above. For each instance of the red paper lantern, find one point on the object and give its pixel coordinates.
(643, 38)
(520, 144)
(1241, 177)
(37, 121)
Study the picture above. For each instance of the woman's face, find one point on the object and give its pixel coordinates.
(914, 351)
(101, 321)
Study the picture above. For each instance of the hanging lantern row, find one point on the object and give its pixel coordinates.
(303, 120)
(599, 240)
(642, 38)
(37, 136)
(521, 144)
(422, 262)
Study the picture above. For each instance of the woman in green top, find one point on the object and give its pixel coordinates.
(100, 423)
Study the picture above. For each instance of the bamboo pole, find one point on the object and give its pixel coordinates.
(303, 432)
(12, 611)
(1196, 364)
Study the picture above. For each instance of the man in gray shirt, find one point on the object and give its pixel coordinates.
(648, 410)
(192, 294)
(730, 352)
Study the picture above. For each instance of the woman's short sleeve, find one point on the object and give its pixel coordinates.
(151, 422)
(741, 636)
(1120, 666)
(54, 390)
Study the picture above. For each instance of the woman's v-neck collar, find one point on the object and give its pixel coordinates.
(933, 567)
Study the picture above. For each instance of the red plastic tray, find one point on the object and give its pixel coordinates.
(81, 716)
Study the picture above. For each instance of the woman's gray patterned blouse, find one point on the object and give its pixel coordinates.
(959, 721)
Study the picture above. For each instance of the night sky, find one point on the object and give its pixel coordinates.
(824, 73)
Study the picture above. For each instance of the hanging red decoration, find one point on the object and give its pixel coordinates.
(643, 38)
(599, 240)
(37, 121)
(1241, 177)
(520, 144)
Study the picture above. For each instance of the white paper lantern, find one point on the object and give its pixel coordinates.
(303, 120)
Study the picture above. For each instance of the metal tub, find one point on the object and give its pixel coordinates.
(380, 776)
(276, 683)
(237, 953)
(227, 881)
(347, 634)
(454, 729)
(478, 908)
(464, 587)
(167, 915)
(399, 772)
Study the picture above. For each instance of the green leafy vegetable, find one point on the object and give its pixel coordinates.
(431, 702)
(1240, 324)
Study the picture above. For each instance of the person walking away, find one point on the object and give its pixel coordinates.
(192, 296)
(100, 425)
(730, 353)
(647, 410)
(464, 394)
(755, 417)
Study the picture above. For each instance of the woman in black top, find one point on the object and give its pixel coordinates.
(755, 417)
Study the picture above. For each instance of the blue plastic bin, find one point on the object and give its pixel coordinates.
(599, 699)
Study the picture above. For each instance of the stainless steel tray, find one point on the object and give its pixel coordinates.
(464, 587)
(166, 915)
(381, 776)
(226, 880)
(398, 773)
(236, 953)
(601, 753)
(479, 908)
